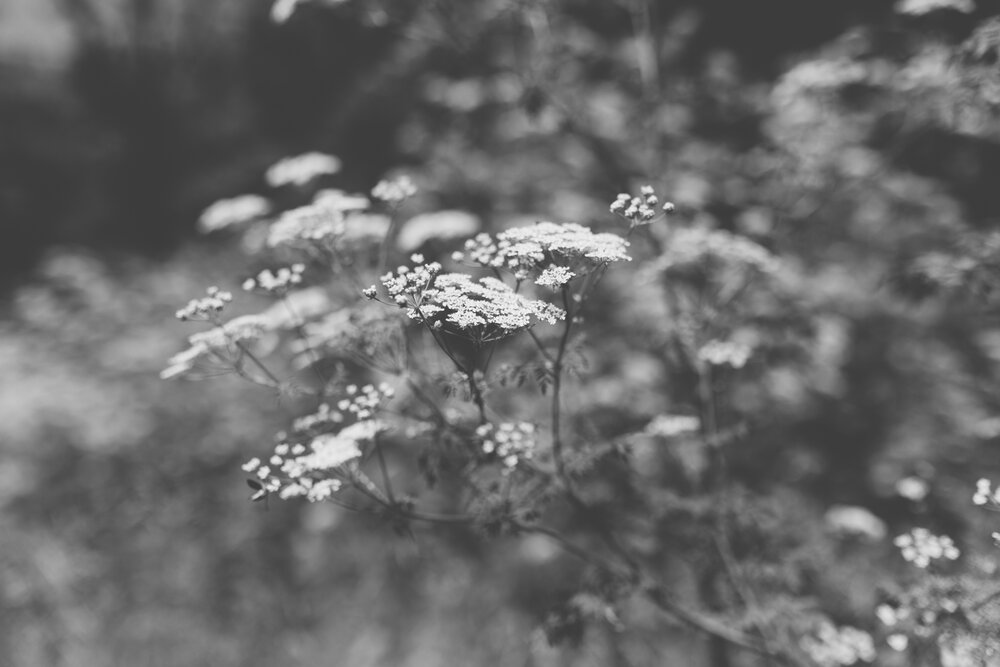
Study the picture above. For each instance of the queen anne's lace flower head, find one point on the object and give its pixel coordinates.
(532, 250)
(215, 344)
(483, 310)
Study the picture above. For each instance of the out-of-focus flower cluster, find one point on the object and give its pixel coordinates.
(986, 495)
(276, 281)
(373, 335)
(301, 169)
(510, 442)
(960, 614)
(855, 521)
(207, 307)
(327, 221)
(234, 211)
(921, 547)
(444, 225)
(831, 646)
(697, 246)
(529, 251)
(725, 353)
(669, 426)
(218, 345)
(394, 191)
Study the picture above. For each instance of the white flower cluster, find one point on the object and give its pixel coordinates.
(531, 250)
(323, 418)
(510, 442)
(339, 200)
(832, 646)
(420, 229)
(277, 281)
(229, 212)
(394, 191)
(314, 471)
(486, 309)
(921, 547)
(325, 221)
(698, 245)
(669, 426)
(361, 405)
(986, 495)
(206, 307)
(639, 210)
(305, 223)
(215, 343)
(554, 276)
(301, 169)
(725, 353)
(406, 286)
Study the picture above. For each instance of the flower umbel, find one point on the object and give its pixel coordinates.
(533, 250)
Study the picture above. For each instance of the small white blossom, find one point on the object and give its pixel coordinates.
(509, 442)
(277, 281)
(394, 191)
(554, 276)
(206, 307)
(897, 642)
(921, 547)
(912, 488)
(986, 495)
(638, 210)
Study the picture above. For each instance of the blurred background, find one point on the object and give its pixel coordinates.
(855, 138)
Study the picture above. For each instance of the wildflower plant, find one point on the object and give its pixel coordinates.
(414, 376)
